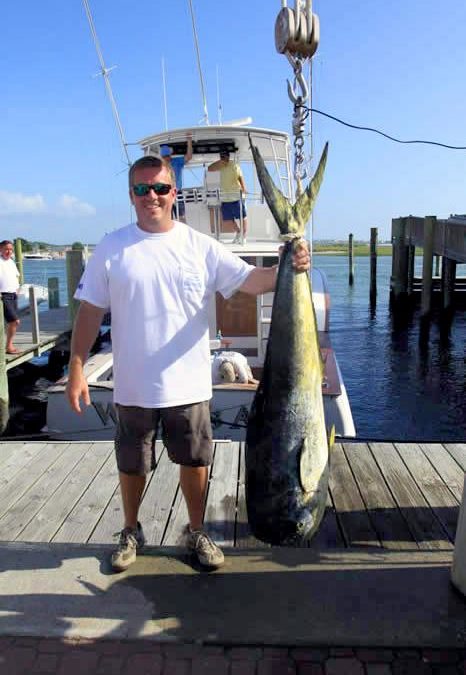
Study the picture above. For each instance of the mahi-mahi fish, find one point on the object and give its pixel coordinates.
(287, 445)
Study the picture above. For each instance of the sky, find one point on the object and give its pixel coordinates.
(397, 66)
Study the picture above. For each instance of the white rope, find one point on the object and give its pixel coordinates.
(196, 43)
(104, 72)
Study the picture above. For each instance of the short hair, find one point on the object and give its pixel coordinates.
(5, 242)
(150, 160)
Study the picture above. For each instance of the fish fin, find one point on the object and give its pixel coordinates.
(279, 205)
(302, 209)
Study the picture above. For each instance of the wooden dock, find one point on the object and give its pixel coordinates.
(53, 324)
(386, 496)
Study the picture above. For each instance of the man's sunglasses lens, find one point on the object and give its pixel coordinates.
(143, 189)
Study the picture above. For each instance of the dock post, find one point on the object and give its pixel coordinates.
(448, 282)
(458, 570)
(437, 265)
(373, 251)
(350, 260)
(399, 278)
(74, 270)
(411, 263)
(4, 398)
(53, 293)
(19, 259)
(427, 263)
(34, 315)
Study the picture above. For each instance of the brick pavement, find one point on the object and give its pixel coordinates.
(47, 656)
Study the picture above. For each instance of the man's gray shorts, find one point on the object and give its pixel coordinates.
(186, 433)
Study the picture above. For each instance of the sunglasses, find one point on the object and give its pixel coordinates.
(143, 189)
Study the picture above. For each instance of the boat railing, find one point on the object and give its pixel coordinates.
(202, 207)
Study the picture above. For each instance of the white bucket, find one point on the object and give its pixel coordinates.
(458, 570)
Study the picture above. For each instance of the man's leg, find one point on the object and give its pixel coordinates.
(193, 483)
(132, 487)
(11, 329)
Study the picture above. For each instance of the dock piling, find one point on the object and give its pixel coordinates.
(19, 259)
(34, 314)
(373, 254)
(74, 270)
(4, 397)
(427, 263)
(400, 259)
(350, 260)
(53, 293)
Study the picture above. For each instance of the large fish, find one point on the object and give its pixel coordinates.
(286, 442)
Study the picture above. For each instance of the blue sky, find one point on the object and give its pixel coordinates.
(398, 66)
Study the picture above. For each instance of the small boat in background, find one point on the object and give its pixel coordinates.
(37, 256)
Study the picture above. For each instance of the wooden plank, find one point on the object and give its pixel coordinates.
(112, 520)
(9, 449)
(243, 535)
(158, 499)
(382, 509)
(458, 452)
(44, 455)
(351, 511)
(177, 522)
(449, 470)
(24, 510)
(434, 490)
(220, 511)
(80, 524)
(53, 514)
(419, 517)
(328, 535)
(16, 456)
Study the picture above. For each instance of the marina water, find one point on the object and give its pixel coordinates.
(404, 383)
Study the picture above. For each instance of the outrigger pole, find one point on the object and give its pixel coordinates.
(104, 71)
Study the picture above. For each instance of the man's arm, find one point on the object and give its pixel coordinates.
(189, 150)
(242, 184)
(85, 330)
(263, 279)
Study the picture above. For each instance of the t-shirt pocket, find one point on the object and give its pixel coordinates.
(192, 289)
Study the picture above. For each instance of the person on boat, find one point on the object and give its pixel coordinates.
(158, 277)
(9, 285)
(177, 164)
(232, 191)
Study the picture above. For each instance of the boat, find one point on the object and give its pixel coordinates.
(41, 293)
(243, 321)
(37, 256)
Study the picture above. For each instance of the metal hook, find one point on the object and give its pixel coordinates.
(293, 95)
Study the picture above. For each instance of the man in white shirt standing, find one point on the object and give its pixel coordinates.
(157, 276)
(9, 285)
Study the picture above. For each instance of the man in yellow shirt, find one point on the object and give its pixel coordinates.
(232, 191)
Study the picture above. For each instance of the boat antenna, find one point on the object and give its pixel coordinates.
(219, 105)
(196, 44)
(104, 71)
(164, 94)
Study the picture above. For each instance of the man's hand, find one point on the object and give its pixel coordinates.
(76, 389)
(301, 256)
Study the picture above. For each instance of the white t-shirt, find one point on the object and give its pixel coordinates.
(158, 288)
(9, 276)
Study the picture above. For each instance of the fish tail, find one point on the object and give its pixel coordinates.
(302, 209)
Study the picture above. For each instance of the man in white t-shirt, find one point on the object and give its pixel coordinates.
(157, 276)
(9, 284)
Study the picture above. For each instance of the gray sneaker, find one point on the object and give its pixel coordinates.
(207, 553)
(131, 540)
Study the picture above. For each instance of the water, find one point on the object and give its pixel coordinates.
(403, 384)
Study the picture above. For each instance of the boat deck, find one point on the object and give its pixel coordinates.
(394, 496)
